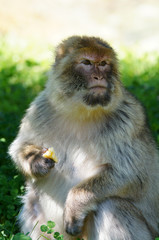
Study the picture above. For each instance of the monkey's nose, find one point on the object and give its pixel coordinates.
(97, 77)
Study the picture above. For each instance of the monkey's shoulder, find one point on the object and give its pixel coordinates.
(136, 111)
(40, 111)
(128, 117)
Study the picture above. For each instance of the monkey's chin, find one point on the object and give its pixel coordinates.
(97, 98)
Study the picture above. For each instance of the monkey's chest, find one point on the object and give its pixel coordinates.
(80, 163)
(74, 166)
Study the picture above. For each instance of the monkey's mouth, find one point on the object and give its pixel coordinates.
(97, 87)
(97, 95)
(97, 90)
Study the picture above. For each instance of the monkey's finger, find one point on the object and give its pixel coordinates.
(41, 167)
(49, 162)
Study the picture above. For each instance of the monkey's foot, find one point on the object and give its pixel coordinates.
(73, 227)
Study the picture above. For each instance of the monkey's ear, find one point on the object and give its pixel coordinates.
(60, 52)
(66, 47)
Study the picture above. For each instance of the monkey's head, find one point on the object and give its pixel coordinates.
(86, 72)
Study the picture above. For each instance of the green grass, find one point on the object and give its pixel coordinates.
(22, 76)
(141, 76)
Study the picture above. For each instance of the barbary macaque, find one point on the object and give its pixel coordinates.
(105, 185)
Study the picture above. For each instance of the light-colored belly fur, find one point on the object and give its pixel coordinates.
(54, 188)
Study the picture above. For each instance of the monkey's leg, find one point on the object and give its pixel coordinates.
(117, 219)
(31, 216)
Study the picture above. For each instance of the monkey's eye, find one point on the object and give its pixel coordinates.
(103, 63)
(86, 62)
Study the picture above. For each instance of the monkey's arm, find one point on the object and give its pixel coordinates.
(27, 149)
(111, 181)
(29, 159)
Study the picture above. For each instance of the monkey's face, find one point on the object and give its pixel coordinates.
(89, 72)
(95, 73)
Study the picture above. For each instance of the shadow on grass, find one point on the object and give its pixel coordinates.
(15, 96)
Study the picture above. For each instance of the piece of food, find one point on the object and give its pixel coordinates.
(50, 153)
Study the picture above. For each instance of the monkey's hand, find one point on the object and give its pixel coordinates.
(76, 211)
(82, 200)
(37, 164)
(84, 197)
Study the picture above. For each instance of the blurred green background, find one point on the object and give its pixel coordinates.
(26, 53)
